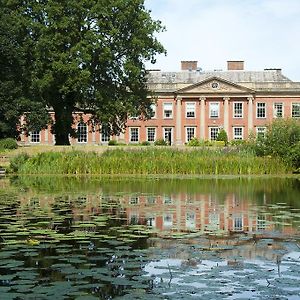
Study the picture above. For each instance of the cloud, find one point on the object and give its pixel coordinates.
(264, 33)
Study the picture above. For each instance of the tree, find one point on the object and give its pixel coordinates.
(222, 136)
(15, 98)
(88, 55)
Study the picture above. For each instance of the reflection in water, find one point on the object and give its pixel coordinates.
(111, 237)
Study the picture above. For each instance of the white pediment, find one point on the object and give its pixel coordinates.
(214, 85)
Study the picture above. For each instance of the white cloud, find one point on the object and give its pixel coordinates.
(264, 33)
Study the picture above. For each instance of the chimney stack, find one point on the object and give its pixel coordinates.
(189, 65)
(235, 65)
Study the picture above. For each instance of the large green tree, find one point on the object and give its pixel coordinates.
(86, 55)
(15, 96)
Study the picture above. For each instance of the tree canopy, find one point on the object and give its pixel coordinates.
(86, 55)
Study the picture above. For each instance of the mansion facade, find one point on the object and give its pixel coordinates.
(195, 103)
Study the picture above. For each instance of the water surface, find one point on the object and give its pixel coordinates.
(137, 238)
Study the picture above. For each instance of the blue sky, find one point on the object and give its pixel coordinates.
(263, 33)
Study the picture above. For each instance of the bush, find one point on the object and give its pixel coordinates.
(294, 157)
(194, 142)
(8, 143)
(145, 143)
(222, 136)
(281, 136)
(17, 161)
(112, 143)
(160, 142)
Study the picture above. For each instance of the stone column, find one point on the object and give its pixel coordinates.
(226, 114)
(178, 121)
(250, 114)
(202, 117)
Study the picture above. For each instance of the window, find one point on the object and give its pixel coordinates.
(213, 110)
(261, 222)
(82, 133)
(134, 135)
(35, 137)
(105, 137)
(237, 223)
(190, 108)
(190, 220)
(150, 134)
(260, 132)
(213, 221)
(153, 107)
(168, 110)
(151, 221)
(134, 200)
(213, 133)
(151, 199)
(167, 220)
(295, 110)
(190, 133)
(278, 110)
(261, 110)
(237, 133)
(167, 199)
(168, 135)
(237, 109)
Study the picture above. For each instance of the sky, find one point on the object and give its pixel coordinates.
(263, 33)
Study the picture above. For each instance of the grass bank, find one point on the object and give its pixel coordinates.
(148, 161)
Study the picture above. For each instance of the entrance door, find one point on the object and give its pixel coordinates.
(168, 135)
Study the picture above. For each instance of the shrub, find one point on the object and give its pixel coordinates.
(17, 161)
(237, 142)
(194, 142)
(160, 142)
(281, 136)
(222, 136)
(8, 143)
(294, 157)
(145, 143)
(112, 143)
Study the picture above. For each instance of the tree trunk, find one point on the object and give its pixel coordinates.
(62, 127)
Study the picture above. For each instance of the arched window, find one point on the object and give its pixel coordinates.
(82, 136)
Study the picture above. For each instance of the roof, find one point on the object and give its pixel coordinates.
(263, 81)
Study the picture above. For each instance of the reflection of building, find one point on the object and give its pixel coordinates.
(193, 103)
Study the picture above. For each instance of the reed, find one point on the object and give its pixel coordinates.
(152, 161)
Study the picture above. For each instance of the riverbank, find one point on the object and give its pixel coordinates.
(148, 161)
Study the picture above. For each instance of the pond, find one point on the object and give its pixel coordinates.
(147, 238)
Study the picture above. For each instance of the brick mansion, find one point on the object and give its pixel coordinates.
(196, 103)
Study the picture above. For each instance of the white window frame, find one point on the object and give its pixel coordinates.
(264, 108)
(190, 220)
(211, 114)
(261, 130)
(82, 136)
(167, 220)
(293, 114)
(210, 132)
(105, 138)
(168, 107)
(275, 110)
(190, 110)
(35, 137)
(153, 108)
(237, 114)
(235, 136)
(188, 135)
(238, 220)
(131, 129)
(154, 136)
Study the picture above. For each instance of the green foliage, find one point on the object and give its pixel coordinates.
(8, 143)
(145, 143)
(112, 143)
(222, 136)
(194, 142)
(18, 161)
(282, 140)
(152, 161)
(160, 142)
(79, 55)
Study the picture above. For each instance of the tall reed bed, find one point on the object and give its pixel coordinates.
(152, 161)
